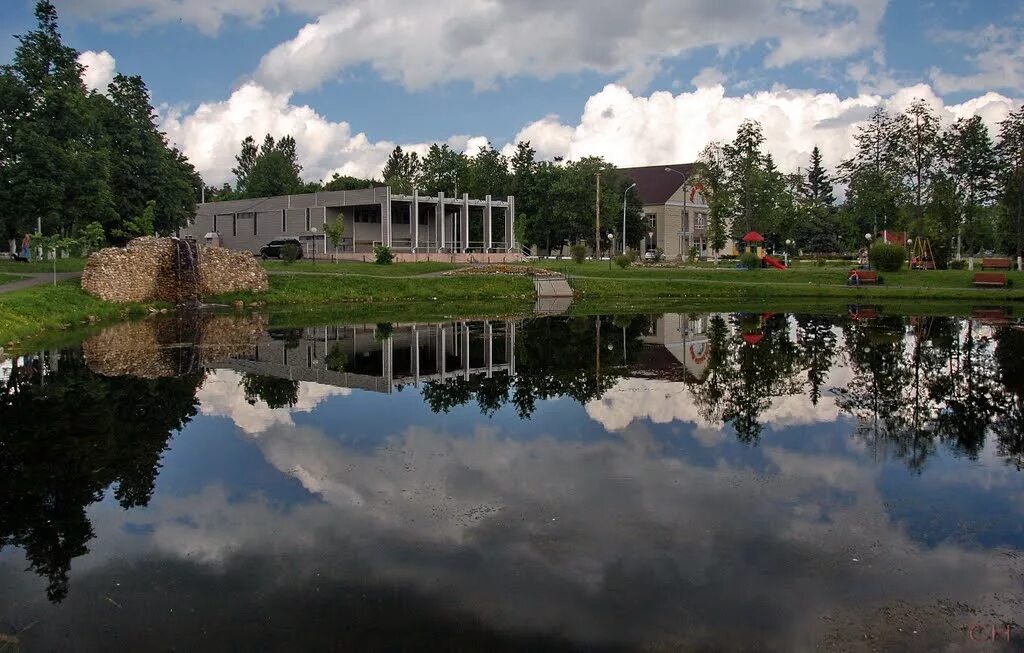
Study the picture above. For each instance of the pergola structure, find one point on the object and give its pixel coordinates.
(373, 216)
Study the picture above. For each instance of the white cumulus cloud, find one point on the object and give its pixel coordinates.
(99, 69)
(485, 41)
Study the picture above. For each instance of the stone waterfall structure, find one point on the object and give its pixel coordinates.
(173, 270)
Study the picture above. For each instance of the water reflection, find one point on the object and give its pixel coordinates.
(672, 481)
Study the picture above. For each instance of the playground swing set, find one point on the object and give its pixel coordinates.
(922, 258)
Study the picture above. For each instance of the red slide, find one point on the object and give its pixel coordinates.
(774, 262)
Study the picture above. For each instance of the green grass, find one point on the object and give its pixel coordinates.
(355, 267)
(8, 278)
(29, 267)
(29, 312)
(332, 289)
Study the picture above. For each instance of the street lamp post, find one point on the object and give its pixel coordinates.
(313, 229)
(625, 194)
(611, 248)
(789, 244)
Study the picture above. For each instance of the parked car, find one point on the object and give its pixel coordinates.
(273, 248)
(650, 255)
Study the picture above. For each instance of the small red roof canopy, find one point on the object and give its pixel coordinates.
(753, 338)
(753, 237)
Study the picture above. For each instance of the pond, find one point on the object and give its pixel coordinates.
(656, 482)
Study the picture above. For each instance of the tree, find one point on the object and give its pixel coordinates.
(875, 194)
(346, 182)
(969, 159)
(712, 175)
(402, 171)
(1010, 151)
(443, 170)
(245, 160)
(141, 225)
(273, 391)
(744, 164)
(817, 229)
(335, 230)
(268, 170)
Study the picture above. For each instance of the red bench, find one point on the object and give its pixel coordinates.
(995, 264)
(863, 276)
(990, 279)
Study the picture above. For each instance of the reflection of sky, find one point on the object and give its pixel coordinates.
(625, 521)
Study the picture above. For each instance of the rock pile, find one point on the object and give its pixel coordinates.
(169, 270)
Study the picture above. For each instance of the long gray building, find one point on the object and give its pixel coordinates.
(372, 216)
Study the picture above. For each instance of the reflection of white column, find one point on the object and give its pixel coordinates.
(416, 354)
(465, 350)
(444, 354)
(440, 221)
(415, 211)
(387, 352)
(511, 354)
(489, 334)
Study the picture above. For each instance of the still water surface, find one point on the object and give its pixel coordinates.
(645, 482)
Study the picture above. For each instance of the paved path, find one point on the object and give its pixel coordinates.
(37, 279)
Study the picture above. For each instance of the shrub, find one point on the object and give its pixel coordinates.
(659, 254)
(633, 255)
(383, 255)
(958, 265)
(750, 260)
(887, 258)
(623, 261)
(694, 254)
(578, 253)
(290, 252)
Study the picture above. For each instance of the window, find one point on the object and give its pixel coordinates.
(284, 221)
(402, 216)
(234, 224)
(307, 220)
(700, 220)
(652, 221)
(214, 223)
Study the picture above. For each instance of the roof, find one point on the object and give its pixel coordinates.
(654, 184)
(753, 237)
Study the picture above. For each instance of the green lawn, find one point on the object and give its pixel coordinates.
(8, 278)
(355, 267)
(330, 289)
(63, 265)
(47, 307)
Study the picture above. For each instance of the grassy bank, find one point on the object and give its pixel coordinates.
(362, 269)
(29, 312)
(332, 289)
(30, 267)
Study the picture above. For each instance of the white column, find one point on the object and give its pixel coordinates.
(488, 224)
(388, 202)
(440, 221)
(510, 354)
(465, 222)
(512, 223)
(415, 217)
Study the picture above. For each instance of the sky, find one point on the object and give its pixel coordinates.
(648, 82)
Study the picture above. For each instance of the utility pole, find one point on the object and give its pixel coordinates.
(597, 220)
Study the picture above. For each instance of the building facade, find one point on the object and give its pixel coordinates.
(675, 210)
(372, 217)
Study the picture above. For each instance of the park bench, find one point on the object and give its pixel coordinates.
(864, 276)
(991, 316)
(995, 264)
(990, 279)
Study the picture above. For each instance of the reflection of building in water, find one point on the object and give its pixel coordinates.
(676, 338)
(376, 358)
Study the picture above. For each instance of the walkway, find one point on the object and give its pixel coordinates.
(37, 279)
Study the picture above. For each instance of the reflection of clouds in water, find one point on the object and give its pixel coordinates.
(663, 402)
(222, 396)
(601, 539)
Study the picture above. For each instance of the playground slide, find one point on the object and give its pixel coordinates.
(774, 262)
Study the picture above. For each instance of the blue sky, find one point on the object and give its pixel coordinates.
(352, 79)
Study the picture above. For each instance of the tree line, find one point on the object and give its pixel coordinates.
(956, 185)
(75, 162)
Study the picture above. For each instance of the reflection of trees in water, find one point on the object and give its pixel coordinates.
(579, 357)
(1009, 363)
(744, 373)
(68, 437)
(274, 391)
(817, 350)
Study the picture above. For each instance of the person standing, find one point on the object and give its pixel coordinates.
(26, 247)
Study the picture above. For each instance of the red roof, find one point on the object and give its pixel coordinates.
(753, 237)
(753, 338)
(655, 185)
